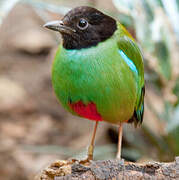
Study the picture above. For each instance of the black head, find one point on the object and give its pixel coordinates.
(84, 27)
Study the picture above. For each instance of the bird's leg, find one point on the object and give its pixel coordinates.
(119, 142)
(90, 149)
(91, 146)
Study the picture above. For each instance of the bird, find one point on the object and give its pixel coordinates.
(98, 70)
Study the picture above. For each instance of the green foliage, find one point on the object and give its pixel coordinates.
(162, 53)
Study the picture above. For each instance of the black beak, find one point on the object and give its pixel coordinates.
(59, 26)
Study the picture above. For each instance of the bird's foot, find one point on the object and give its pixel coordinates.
(80, 161)
(87, 160)
(121, 160)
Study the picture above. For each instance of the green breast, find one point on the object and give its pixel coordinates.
(99, 75)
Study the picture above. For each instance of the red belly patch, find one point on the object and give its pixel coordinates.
(88, 111)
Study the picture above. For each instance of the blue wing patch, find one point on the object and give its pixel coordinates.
(128, 61)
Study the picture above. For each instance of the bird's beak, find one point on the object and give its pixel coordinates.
(59, 26)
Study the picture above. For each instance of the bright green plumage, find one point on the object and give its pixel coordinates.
(99, 74)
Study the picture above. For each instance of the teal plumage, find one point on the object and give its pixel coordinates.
(98, 70)
(131, 49)
(99, 74)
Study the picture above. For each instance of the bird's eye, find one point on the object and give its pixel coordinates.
(82, 24)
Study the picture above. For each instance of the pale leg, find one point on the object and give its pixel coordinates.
(119, 142)
(91, 146)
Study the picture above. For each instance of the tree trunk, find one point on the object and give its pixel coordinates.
(110, 169)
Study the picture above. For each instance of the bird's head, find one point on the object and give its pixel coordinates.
(83, 27)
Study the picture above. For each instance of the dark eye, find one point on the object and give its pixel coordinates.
(82, 24)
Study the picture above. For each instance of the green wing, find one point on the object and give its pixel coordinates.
(127, 44)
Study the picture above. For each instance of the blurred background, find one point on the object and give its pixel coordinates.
(35, 130)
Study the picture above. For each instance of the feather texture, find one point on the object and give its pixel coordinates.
(102, 76)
